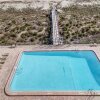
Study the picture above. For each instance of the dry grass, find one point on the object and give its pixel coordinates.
(23, 26)
(77, 24)
(80, 24)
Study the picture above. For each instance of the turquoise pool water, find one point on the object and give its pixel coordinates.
(57, 71)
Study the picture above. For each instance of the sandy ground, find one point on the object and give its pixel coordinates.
(29, 0)
(45, 4)
(9, 64)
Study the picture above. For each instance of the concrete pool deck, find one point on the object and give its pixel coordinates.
(9, 64)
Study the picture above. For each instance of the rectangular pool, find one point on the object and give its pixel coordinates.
(54, 71)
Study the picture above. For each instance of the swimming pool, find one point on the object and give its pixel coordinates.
(54, 71)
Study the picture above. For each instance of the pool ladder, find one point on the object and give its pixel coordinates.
(91, 93)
